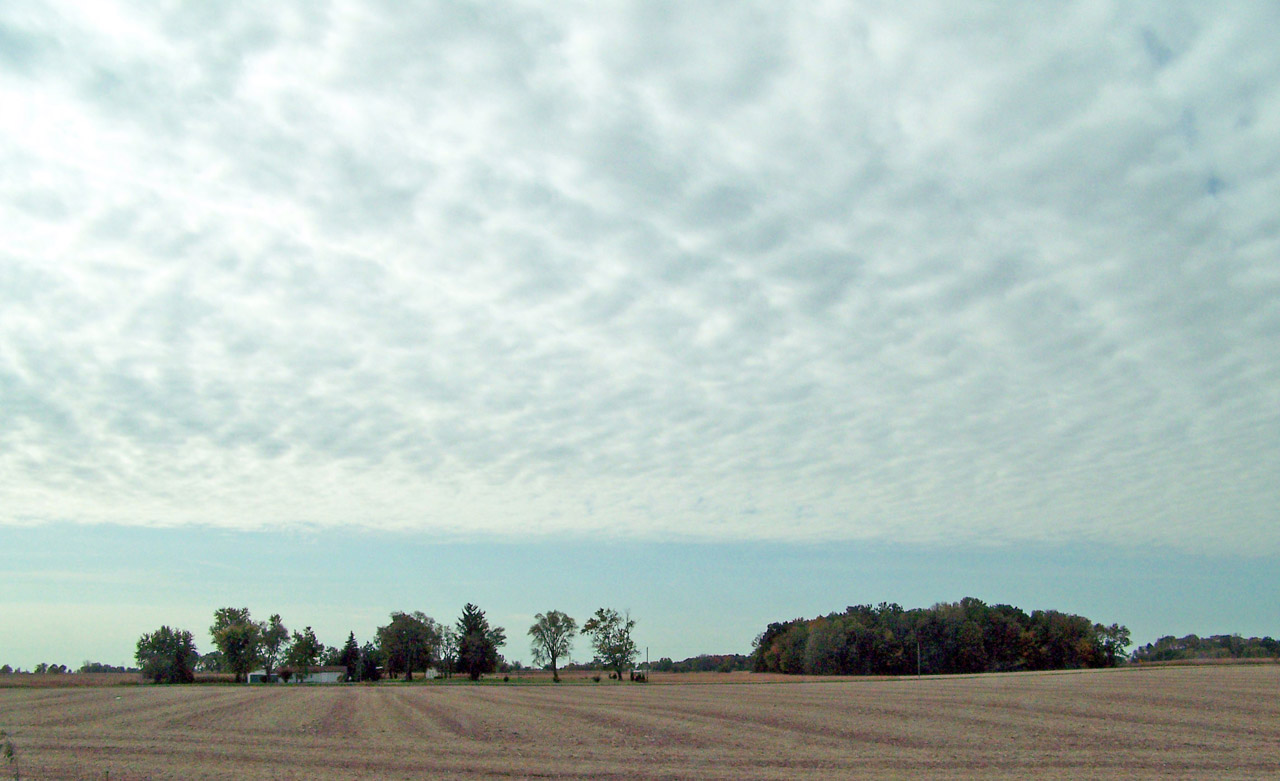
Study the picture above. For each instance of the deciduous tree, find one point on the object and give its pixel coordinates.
(371, 662)
(303, 653)
(167, 655)
(1113, 640)
(552, 635)
(611, 637)
(448, 650)
(238, 638)
(275, 641)
(409, 643)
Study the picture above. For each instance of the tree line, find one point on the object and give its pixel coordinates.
(410, 643)
(968, 636)
(1169, 648)
(704, 663)
(45, 668)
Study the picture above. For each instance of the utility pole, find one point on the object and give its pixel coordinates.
(917, 657)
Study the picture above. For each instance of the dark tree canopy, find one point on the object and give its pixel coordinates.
(409, 643)
(704, 663)
(167, 655)
(350, 657)
(478, 643)
(371, 662)
(964, 637)
(1170, 648)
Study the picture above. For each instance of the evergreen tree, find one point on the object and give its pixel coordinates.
(478, 643)
(350, 658)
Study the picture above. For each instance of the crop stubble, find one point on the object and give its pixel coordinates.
(1191, 721)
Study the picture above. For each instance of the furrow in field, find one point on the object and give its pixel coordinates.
(1199, 723)
(530, 713)
(417, 714)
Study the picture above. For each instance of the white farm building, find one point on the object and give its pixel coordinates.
(314, 675)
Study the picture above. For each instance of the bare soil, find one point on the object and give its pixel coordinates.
(1191, 722)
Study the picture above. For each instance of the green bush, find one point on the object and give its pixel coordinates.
(9, 753)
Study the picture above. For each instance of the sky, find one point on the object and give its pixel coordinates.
(722, 312)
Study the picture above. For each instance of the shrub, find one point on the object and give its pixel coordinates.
(9, 753)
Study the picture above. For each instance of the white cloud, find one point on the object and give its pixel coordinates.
(715, 270)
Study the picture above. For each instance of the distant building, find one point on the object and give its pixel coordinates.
(314, 675)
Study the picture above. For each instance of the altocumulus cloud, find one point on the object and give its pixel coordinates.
(669, 270)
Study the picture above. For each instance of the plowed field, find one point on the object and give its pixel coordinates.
(1191, 722)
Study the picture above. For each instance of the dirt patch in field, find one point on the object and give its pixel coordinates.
(1131, 723)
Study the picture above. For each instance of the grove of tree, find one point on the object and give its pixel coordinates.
(1170, 648)
(968, 636)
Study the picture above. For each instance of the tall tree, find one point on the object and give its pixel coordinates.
(552, 635)
(448, 650)
(167, 655)
(303, 653)
(478, 643)
(409, 643)
(238, 638)
(350, 658)
(1113, 641)
(611, 637)
(275, 640)
(371, 662)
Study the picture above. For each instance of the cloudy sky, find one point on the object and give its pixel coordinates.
(996, 277)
